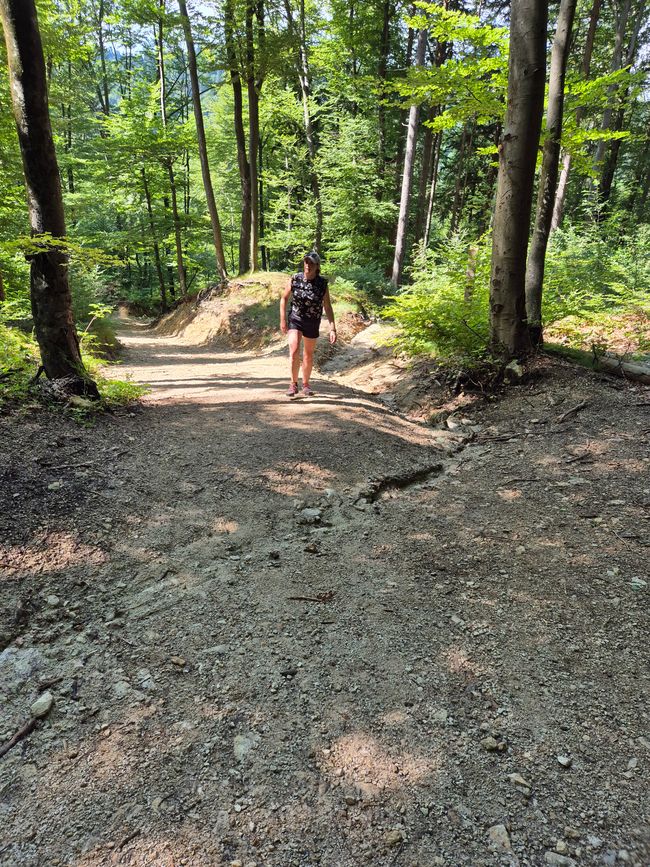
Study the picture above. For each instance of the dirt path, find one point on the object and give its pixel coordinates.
(263, 651)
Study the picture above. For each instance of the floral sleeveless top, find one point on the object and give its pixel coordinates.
(307, 297)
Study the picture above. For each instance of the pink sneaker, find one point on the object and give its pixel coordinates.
(307, 391)
(292, 391)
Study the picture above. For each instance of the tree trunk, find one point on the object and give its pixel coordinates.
(3, 297)
(104, 95)
(562, 186)
(517, 158)
(50, 292)
(403, 117)
(178, 235)
(549, 170)
(240, 138)
(407, 174)
(203, 150)
(432, 188)
(461, 174)
(305, 88)
(609, 165)
(156, 247)
(425, 174)
(253, 134)
(382, 69)
(616, 64)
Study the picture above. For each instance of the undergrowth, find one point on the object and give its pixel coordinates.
(19, 362)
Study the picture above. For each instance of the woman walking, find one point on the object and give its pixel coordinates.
(309, 295)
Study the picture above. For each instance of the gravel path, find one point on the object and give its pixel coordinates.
(314, 633)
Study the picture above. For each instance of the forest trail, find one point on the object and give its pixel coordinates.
(265, 647)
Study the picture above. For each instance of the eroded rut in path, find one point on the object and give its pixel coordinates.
(305, 633)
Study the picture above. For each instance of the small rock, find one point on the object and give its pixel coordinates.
(440, 716)
(55, 486)
(565, 761)
(80, 402)
(571, 833)
(623, 855)
(177, 660)
(561, 846)
(394, 837)
(310, 516)
(43, 705)
(514, 372)
(499, 839)
(243, 744)
(559, 860)
(312, 548)
(491, 745)
(52, 600)
(121, 689)
(518, 780)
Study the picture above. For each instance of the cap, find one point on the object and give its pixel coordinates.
(312, 257)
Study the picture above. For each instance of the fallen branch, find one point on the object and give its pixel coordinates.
(23, 731)
(572, 411)
(602, 362)
(322, 597)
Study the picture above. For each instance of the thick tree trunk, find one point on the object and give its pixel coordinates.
(549, 170)
(425, 175)
(407, 174)
(156, 246)
(253, 134)
(50, 291)
(563, 182)
(517, 157)
(203, 150)
(240, 138)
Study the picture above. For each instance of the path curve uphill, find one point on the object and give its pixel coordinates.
(312, 632)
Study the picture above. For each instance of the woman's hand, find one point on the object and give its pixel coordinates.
(332, 335)
(283, 326)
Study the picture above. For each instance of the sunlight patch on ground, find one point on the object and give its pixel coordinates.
(361, 758)
(49, 552)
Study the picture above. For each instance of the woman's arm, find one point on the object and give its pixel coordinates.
(283, 306)
(329, 312)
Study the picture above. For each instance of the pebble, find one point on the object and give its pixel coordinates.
(52, 600)
(310, 516)
(43, 705)
(558, 860)
(243, 744)
(518, 780)
(491, 745)
(565, 761)
(394, 837)
(177, 660)
(499, 839)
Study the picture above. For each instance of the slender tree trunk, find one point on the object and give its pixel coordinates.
(260, 173)
(253, 134)
(50, 291)
(407, 175)
(563, 182)
(156, 246)
(178, 235)
(403, 118)
(609, 164)
(616, 64)
(3, 296)
(105, 100)
(549, 170)
(425, 174)
(517, 158)
(240, 138)
(203, 150)
(460, 178)
(432, 188)
(305, 89)
(382, 68)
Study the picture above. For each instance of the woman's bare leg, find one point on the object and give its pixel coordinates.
(294, 353)
(309, 345)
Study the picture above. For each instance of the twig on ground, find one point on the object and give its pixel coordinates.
(128, 839)
(321, 597)
(573, 410)
(22, 732)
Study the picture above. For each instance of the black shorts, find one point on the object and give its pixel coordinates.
(308, 327)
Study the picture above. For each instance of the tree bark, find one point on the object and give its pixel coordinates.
(50, 291)
(432, 188)
(105, 98)
(509, 335)
(305, 89)
(461, 177)
(178, 235)
(616, 64)
(407, 174)
(156, 246)
(549, 170)
(609, 164)
(382, 69)
(240, 138)
(203, 150)
(425, 175)
(253, 134)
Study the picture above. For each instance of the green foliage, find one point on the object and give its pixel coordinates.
(444, 310)
(18, 363)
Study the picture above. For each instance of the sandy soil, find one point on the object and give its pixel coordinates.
(313, 632)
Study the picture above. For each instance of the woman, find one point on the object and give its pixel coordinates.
(310, 293)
